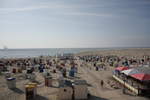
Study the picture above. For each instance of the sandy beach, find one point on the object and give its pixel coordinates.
(136, 52)
(74, 50)
(86, 71)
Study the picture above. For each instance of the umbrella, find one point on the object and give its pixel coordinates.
(130, 71)
(141, 76)
(121, 68)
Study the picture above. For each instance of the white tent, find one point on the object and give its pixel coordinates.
(130, 71)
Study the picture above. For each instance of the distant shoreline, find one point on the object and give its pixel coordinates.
(77, 48)
(27, 53)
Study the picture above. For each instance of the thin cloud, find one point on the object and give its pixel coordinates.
(89, 14)
(30, 8)
(44, 6)
(56, 6)
(49, 6)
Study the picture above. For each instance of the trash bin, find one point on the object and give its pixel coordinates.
(11, 82)
(31, 91)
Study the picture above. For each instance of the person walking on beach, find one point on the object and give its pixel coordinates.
(64, 72)
(102, 83)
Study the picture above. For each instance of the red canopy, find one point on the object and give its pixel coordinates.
(141, 76)
(121, 68)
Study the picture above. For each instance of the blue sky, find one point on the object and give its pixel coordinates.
(74, 23)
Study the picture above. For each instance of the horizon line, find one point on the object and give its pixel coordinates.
(75, 48)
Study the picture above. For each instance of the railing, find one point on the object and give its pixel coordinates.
(126, 85)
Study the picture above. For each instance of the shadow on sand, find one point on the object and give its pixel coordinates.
(39, 97)
(91, 97)
(17, 90)
(89, 85)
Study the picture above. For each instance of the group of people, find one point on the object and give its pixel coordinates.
(104, 62)
(115, 61)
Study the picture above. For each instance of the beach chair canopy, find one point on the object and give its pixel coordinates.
(122, 68)
(130, 71)
(141, 76)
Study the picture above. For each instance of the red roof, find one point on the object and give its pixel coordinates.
(121, 68)
(141, 76)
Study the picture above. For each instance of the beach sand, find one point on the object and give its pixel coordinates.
(86, 72)
(137, 52)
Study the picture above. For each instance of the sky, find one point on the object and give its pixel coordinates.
(74, 23)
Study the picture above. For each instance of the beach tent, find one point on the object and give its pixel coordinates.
(122, 68)
(130, 71)
(141, 76)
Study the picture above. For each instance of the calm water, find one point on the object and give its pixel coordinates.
(21, 53)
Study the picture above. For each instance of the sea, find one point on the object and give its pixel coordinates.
(23, 53)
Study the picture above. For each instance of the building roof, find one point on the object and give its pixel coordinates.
(130, 71)
(142, 76)
(143, 69)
